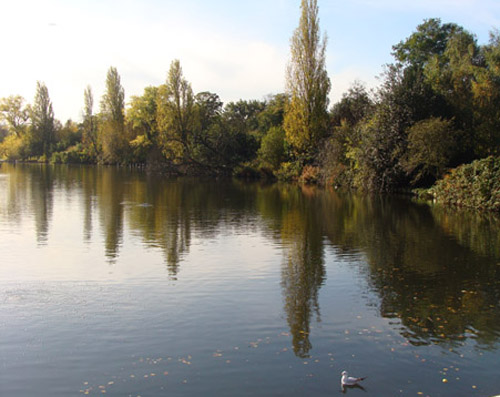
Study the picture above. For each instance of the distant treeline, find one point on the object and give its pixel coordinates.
(438, 106)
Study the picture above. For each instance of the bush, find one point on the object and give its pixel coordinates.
(310, 175)
(74, 155)
(13, 148)
(289, 171)
(474, 185)
(272, 148)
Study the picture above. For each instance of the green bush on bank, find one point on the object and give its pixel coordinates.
(475, 185)
(74, 155)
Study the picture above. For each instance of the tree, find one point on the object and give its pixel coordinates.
(486, 99)
(175, 115)
(430, 39)
(142, 113)
(89, 122)
(14, 114)
(273, 113)
(112, 132)
(207, 110)
(431, 145)
(42, 122)
(353, 107)
(308, 85)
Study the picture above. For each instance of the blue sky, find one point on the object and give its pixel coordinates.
(237, 49)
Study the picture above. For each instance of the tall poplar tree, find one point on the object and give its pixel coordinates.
(112, 131)
(176, 115)
(42, 122)
(89, 121)
(308, 85)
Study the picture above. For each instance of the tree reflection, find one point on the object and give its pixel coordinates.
(434, 270)
(30, 188)
(303, 270)
(111, 200)
(441, 290)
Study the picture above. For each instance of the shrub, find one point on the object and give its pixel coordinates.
(310, 175)
(272, 148)
(13, 148)
(74, 155)
(474, 185)
(289, 171)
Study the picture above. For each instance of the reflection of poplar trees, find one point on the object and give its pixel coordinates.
(42, 185)
(110, 195)
(303, 272)
(89, 182)
(173, 229)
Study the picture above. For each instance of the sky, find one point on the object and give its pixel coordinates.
(237, 49)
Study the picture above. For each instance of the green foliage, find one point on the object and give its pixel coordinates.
(475, 185)
(430, 39)
(142, 114)
(353, 107)
(73, 155)
(68, 135)
(273, 113)
(140, 148)
(431, 145)
(289, 172)
(272, 149)
(175, 115)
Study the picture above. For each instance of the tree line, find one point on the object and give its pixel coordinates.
(438, 106)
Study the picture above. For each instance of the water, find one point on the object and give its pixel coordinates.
(126, 283)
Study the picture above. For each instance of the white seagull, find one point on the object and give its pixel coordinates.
(349, 380)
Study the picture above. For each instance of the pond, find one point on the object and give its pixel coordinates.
(120, 282)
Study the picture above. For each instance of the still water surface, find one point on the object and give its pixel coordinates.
(122, 283)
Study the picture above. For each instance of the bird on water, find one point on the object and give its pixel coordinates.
(349, 381)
